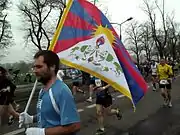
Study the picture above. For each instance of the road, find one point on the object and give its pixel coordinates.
(150, 117)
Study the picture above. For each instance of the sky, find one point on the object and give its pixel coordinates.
(118, 11)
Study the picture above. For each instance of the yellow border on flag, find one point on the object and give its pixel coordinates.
(113, 84)
(60, 25)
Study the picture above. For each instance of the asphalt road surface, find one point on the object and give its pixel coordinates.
(150, 118)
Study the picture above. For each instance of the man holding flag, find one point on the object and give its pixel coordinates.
(56, 110)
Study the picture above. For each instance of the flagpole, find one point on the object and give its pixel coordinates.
(31, 96)
(29, 100)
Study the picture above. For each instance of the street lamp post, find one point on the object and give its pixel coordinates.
(64, 2)
(120, 24)
(94, 2)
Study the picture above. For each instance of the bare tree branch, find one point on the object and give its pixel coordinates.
(37, 14)
(6, 38)
(133, 38)
(32, 39)
(3, 27)
(50, 9)
(159, 36)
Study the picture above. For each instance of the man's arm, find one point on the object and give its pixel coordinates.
(63, 130)
(158, 75)
(107, 86)
(170, 71)
(101, 88)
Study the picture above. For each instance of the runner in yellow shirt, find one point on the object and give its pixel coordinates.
(165, 74)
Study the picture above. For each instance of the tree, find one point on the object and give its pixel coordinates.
(178, 47)
(159, 35)
(39, 18)
(134, 37)
(5, 27)
(147, 40)
(173, 34)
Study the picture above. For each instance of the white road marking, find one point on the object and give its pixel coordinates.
(15, 132)
(120, 96)
(91, 106)
(80, 110)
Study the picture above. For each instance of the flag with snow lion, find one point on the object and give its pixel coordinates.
(86, 40)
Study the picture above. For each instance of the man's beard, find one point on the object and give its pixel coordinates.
(44, 80)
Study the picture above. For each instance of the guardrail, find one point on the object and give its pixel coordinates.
(29, 86)
(23, 91)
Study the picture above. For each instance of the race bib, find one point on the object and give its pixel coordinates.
(98, 82)
(163, 82)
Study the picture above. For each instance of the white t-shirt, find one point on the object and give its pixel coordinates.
(60, 74)
(154, 69)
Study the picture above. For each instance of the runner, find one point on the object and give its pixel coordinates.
(12, 95)
(165, 79)
(60, 75)
(103, 104)
(6, 96)
(75, 74)
(91, 88)
(154, 75)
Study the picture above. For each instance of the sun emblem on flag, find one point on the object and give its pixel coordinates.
(104, 30)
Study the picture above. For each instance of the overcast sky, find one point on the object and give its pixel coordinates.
(118, 10)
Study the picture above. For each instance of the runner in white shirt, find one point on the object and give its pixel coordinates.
(154, 75)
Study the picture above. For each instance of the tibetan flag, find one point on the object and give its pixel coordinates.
(86, 40)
